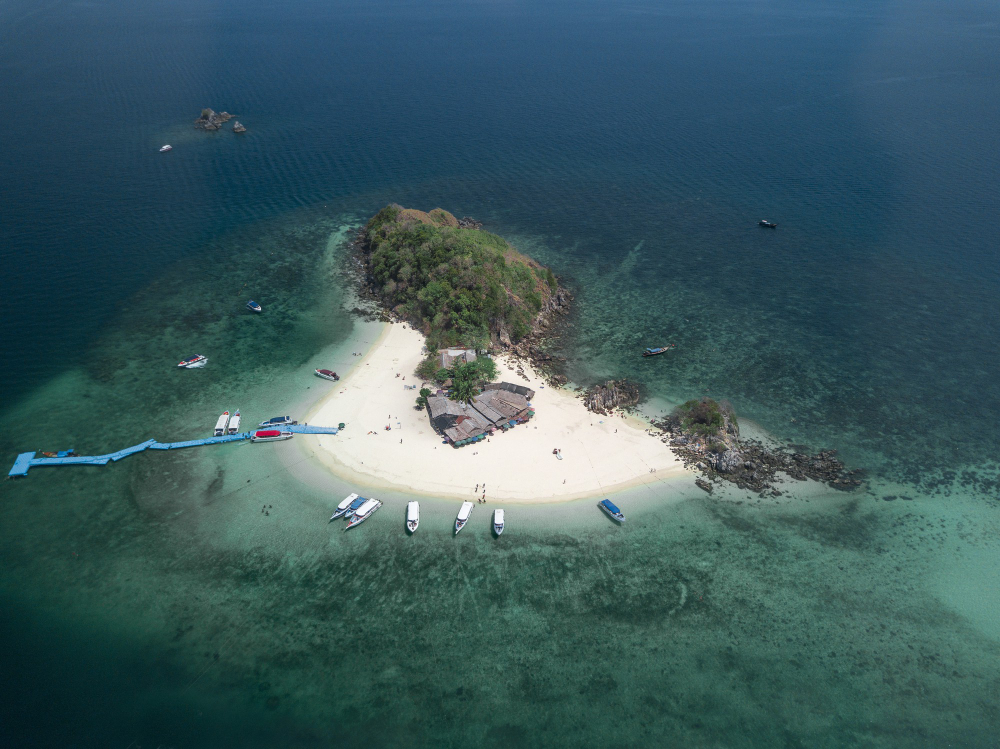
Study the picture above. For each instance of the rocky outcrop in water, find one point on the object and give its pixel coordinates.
(721, 455)
(212, 120)
(602, 399)
(238, 128)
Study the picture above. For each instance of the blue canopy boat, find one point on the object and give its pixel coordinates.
(614, 512)
(253, 306)
(354, 507)
(655, 351)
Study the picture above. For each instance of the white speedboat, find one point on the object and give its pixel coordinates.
(164, 149)
(253, 306)
(498, 521)
(364, 512)
(326, 374)
(463, 515)
(278, 421)
(342, 507)
(270, 435)
(220, 425)
(234, 423)
(412, 516)
(194, 362)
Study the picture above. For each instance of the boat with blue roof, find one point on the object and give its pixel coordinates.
(611, 510)
(253, 306)
(278, 421)
(354, 506)
(343, 506)
(657, 351)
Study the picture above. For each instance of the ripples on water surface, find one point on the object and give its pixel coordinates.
(632, 148)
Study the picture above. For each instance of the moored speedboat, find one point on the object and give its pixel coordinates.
(353, 506)
(766, 224)
(412, 516)
(364, 512)
(342, 507)
(498, 521)
(463, 515)
(220, 425)
(326, 374)
(194, 362)
(657, 351)
(278, 421)
(234, 423)
(608, 507)
(164, 149)
(253, 306)
(270, 435)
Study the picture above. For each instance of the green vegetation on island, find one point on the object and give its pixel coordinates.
(466, 378)
(459, 286)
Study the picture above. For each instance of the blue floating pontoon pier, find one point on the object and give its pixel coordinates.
(26, 461)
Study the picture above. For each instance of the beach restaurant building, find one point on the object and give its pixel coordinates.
(500, 406)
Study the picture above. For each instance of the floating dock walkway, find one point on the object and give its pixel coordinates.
(26, 461)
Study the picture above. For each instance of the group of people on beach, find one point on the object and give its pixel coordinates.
(480, 500)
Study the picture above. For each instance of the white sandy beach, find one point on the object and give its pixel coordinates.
(601, 454)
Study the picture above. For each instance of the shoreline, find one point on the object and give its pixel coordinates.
(603, 455)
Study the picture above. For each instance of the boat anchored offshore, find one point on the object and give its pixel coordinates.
(342, 507)
(353, 506)
(364, 512)
(270, 435)
(253, 306)
(605, 504)
(657, 351)
(194, 362)
(164, 149)
(498, 521)
(412, 516)
(463, 515)
(278, 421)
(234, 423)
(220, 425)
(326, 374)
(766, 224)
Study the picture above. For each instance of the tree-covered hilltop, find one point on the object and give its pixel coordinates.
(460, 286)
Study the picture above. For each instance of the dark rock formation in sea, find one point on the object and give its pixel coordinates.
(212, 120)
(238, 128)
(602, 399)
(705, 434)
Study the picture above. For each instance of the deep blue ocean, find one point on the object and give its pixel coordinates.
(632, 146)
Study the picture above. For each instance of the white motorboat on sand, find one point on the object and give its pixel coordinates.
(412, 516)
(220, 425)
(463, 515)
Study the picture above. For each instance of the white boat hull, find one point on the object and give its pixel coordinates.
(279, 438)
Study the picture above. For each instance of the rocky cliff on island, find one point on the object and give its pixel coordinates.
(458, 284)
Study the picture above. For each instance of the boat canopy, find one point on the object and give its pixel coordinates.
(268, 433)
(498, 517)
(347, 502)
(465, 510)
(367, 507)
(412, 511)
(358, 502)
(607, 503)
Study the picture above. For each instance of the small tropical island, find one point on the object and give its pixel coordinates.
(455, 398)
(458, 396)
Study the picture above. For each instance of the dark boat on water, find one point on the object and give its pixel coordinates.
(766, 224)
(611, 510)
(657, 351)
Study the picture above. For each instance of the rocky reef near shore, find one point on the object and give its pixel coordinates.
(612, 395)
(705, 434)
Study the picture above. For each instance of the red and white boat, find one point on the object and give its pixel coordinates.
(364, 512)
(326, 374)
(270, 435)
(194, 362)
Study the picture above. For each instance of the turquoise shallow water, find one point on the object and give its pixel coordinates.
(152, 603)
